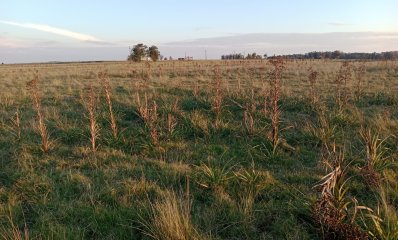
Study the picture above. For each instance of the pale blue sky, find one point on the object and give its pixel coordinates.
(58, 28)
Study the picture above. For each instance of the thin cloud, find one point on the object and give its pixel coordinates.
(9, 43)
(57, 31)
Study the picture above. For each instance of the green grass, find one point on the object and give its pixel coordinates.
(215, 180)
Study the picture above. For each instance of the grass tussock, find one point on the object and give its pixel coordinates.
(170, 219)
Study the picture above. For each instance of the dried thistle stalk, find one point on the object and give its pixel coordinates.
(107, 88)
(36, 101)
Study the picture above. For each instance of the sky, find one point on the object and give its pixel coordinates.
(77, 30)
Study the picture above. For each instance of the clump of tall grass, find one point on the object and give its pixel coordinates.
(325, 131)
(334, 212)
(103, 76)
(218, 95)
(170, 219)
(12, 231)
(213, 177)
(200, 122)
(384, 220)
(253, 182)
(375, 160)
(33, 89)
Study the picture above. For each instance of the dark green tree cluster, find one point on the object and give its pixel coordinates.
(141, 52)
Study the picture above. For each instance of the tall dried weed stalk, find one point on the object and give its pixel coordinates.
(275, 94)
(149, 115)
(360, 72)
(343, 78)
(90, 102)
(16, 125)
(171, 119)
(312, 79)
(153, 123)
(103, 76)
(171, 123)
(33, 89)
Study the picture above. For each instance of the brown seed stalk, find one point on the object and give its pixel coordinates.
(312, 79)
(91, 106)
(275, 92)
(107, 88)
(36, 101)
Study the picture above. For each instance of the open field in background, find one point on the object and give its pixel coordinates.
(197, 150)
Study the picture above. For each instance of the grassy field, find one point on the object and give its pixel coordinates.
(199, 150)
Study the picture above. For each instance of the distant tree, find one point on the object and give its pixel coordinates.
(138, 52)
(232, 56)
(336, 54)
(391, 55)
(253, 56)
(153, 53)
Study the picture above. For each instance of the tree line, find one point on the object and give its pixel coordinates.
(241, 56)
(391, 55)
